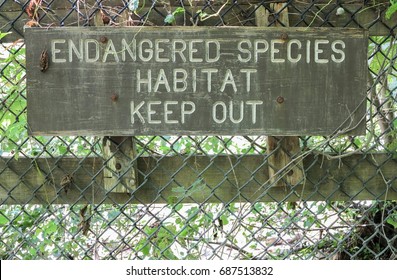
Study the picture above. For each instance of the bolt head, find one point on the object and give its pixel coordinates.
(280, 99)
(284, 36)
(103, 39)
(114, 97)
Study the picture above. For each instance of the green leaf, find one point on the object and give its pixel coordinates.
(33, 251)
(145, 250)
(178, 11)
(180, 193)
(192, 213)
(3, 34)
(3, 220)
(309, 222)
(178, 207)
(392, 221)
(172, 199)
(225, 220)
(113, 214)
(170, 18)
(358, 142)
(51, 228)
(62, 149)
(258, 207)
(391, 10)
(203, 15)
(133, 5)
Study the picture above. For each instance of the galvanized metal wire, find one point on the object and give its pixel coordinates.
(199, 206)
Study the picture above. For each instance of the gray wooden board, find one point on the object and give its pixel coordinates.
(246, 180)
(229, 80)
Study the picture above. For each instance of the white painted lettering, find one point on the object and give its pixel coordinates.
(89, 50)
(193, 50)
(289, 51)
(244, 51)
(151, 112)
(135, 111)
(161, 80)
(274, 50)
(185, 111)
(338, 51)
(145, 54)
(54, 50)
(168, 112)
(194, 80)
(159, 50)
(147, 81)
(126, 47)
(248, 73)
(308, 51)
(318, 50)
(179, 80)
(73, 49)
(258, 49)
(178, 50)
(228, 80)
(254, 103)
(110, 49)
(231, 112)
(209, 73)
(223, 112)
(216, 50)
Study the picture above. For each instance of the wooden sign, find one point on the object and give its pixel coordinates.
(192, 81)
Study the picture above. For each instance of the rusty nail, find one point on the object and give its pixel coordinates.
(280, 99)
(103, 39)
(118, 166)
(105, 19)
(114, 97)
(284, 36)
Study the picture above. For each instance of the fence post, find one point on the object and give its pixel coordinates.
(119, 152)
(283, 168)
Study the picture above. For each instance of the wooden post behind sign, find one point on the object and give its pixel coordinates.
(119, 152)
(283, 168)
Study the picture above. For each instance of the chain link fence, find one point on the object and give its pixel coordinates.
(199, 197)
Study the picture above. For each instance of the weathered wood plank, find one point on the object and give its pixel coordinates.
(120, 176)
(319, 14)
(194, 81)
(220, 179)
(282, 151)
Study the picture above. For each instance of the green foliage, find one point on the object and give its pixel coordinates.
(392, 220)
(392, 9)
(171, 18)
(176, 230)
(13, 100)
(133, 5)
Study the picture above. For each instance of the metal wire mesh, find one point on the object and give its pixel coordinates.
(199, 197)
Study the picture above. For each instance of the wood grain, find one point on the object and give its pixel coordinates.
(220, 179)
(296, 98)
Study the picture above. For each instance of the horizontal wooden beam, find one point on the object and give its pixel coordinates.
(300, 13)
(201, 179)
